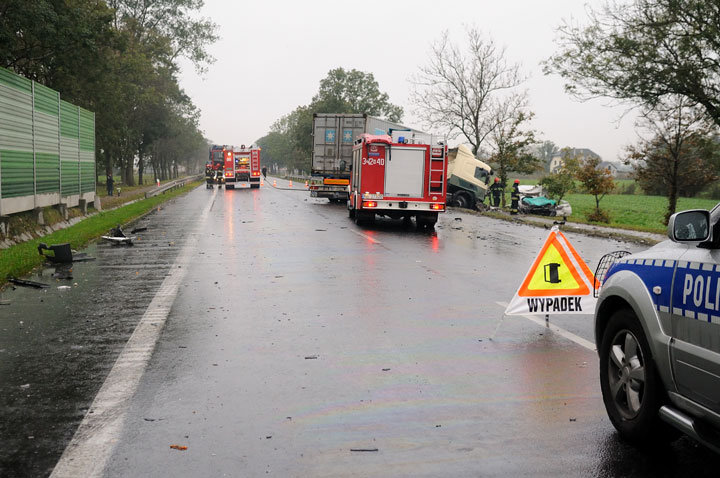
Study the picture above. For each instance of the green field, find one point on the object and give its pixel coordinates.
(628, 211)
(645, 213)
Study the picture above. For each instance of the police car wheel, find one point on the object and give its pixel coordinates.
(631, 389)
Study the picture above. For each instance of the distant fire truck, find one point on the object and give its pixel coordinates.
(242, 167)
(214, 166)
(395, 178)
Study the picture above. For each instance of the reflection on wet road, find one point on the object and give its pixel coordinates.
(303, 345)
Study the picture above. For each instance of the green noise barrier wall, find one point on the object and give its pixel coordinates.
(47, 147)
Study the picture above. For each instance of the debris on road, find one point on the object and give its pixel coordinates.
(61, 253)
(386, 370)
(28, 283)
(118, 237)
(178, 447)
(311, 357)
(4, 302)
(64, 287)
(363, 449)
(138, 229)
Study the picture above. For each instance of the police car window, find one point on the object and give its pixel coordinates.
(480, 174)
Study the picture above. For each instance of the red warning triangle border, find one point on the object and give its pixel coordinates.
(552, 239)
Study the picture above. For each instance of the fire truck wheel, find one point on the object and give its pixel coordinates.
(362, 217)
(351, 213)
(426, 221)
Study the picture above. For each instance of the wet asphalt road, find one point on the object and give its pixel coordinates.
(297, 336)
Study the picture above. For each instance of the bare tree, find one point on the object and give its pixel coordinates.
(468, 93)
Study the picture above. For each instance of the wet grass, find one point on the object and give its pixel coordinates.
(20, 259)
(637, 212)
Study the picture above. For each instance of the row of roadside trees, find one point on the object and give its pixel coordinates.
(119, 59)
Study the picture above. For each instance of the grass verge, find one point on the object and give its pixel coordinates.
(22, 258)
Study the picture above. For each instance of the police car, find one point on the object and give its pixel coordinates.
(657, 326)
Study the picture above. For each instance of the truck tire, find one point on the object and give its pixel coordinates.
(631, 387)
(254, 186)
(351, 213)
(229, 186)
(462, 199)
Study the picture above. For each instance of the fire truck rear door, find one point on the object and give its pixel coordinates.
(405, 172)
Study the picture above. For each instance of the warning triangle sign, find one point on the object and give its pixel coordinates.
(558, 281)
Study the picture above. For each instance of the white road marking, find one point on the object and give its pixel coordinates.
(98, 433)
(558, 330)
(374, 241)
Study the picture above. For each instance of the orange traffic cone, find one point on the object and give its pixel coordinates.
(274, 183)
(306, 184)
(291, 183)
(261, 182)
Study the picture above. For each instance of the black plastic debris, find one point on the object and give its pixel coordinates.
(63, 272)
(138, 229)
(363, 449)
(61, 253)
(27, 283)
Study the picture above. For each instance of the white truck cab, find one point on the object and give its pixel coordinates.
(657, 328)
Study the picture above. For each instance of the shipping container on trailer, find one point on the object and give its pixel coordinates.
(398, 178)
(242, 167)
(333, 137)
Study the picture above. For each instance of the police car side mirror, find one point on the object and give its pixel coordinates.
(689, 226)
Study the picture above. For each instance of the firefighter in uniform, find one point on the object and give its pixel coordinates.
(496, 191)
(209, 176)
(515, 197)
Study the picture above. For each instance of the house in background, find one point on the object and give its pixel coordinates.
(613, 167)
(581, 154)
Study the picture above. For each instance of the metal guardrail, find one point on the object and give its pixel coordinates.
(178, 183)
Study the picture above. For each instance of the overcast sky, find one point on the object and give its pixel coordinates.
(272, 55)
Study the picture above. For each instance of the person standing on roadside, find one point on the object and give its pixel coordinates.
(496, 191)
(109, 182)
(515, 197)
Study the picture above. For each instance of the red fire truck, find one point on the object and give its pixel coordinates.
(242, 167)
(398, 179)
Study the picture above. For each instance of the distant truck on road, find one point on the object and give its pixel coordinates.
(242, 167)
(397, 177)
(214, 166)
(333, 138)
